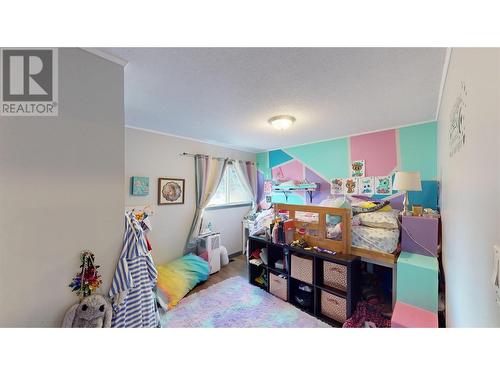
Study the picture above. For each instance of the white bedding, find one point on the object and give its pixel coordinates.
(377, 239)
(261, 222)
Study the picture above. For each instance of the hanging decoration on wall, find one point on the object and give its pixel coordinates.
(383, 185)
(457, 121)
(268, 187)
(337, 186)
(88, 279)
(358, 168)
(170, 191)
(351, 186)
(139, 186)
(366, 185)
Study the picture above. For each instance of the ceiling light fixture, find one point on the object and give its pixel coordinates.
(281, 122)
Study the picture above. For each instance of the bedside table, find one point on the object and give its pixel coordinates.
(419, 235)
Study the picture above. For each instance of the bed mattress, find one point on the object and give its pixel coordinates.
(377, 239)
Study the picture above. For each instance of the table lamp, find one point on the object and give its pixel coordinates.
(407, 181)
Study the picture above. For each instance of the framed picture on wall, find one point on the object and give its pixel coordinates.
(351, 186)
(383, 185)
(139, 186)
(358, 168)
(170, 191)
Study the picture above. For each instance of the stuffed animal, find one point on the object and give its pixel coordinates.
(93, 311)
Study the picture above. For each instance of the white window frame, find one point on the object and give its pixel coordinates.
(228, 195)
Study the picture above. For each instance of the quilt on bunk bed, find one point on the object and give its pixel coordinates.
(376, 239)
(376, 231)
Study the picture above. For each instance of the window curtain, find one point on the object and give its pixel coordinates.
(247, 173)
(208, 172)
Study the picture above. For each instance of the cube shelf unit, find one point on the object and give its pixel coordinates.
(349, 294)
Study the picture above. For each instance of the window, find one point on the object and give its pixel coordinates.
(230, 190)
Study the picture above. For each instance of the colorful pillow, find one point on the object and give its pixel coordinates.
(380, 219)
(177, 278)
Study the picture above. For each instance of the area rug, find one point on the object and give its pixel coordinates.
(234, 303)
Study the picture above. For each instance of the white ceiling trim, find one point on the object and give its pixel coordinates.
(225, 145)
(353, 135)
(106, 55)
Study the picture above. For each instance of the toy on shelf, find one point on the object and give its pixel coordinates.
(300, 243)
(322, 250)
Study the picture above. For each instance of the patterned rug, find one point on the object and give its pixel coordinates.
(234, 303)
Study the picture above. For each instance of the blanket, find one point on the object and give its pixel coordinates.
(177, 278)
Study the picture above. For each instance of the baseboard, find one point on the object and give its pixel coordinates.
(233, 255)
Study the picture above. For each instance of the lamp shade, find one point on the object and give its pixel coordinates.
(407, 181)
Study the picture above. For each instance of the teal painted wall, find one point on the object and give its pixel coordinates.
(329, 158)
(415, 150)
(277, 157)
(418, 149)
(263, 164)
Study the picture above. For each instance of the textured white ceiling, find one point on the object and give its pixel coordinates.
(226, 95)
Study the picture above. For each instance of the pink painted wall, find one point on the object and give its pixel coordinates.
(293, 170)
(379, 151)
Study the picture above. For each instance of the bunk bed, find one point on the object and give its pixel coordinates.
(316, 223)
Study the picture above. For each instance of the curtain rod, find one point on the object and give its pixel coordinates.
(213, 157)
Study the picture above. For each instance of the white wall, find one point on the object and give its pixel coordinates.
(470, 189)
(156, 155)
(61, 191)
(228, 222)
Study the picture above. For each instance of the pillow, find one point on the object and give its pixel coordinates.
(356, 200)
(336, 203)
(177, 278)
(380, 219)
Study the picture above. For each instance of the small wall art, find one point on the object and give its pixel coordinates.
(458, 117)
(351, 186)
(337, 186)
(383, 185)
(268, 186)
(170, 191)
(139, 186)
(366, 185)
(358, 168)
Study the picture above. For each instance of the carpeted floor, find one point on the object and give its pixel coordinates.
(234, 303)
(236, 267)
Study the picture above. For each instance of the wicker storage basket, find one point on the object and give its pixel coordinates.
(278, 286)
(302, 269)
(335, 275)
(333, 306)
